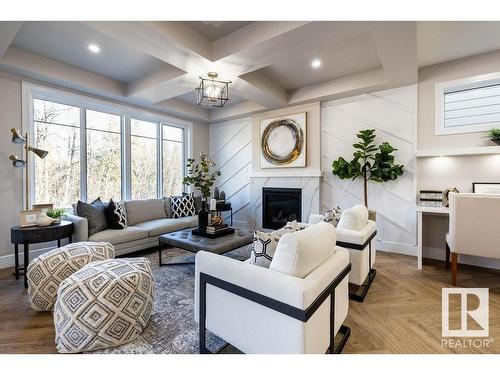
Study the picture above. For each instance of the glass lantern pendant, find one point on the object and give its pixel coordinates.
(212, 92)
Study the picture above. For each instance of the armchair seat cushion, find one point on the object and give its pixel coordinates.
(118, 236)
(162, 226)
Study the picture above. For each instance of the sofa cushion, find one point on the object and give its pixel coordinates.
(354, 218)
(94, 213)
(117, 236)
(298, 253)
(141, 210)
(162, 226)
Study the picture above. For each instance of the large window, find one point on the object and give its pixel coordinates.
(144, 161)
(56, 128)
(102, 151)
(103, 155)
(468, 105)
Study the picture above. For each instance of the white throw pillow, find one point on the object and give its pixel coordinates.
(354, 218)
(299, 253)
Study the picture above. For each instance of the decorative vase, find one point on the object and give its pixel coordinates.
(497, 141)
(203, 216)
(57, 220)
(222, 196)
(43, 220)
(216, 193)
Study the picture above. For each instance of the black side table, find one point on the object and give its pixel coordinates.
(224, 207)
(29, 235)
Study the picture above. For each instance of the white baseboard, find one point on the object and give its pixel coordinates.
(439, 254)
(7, 261)
(396, 247)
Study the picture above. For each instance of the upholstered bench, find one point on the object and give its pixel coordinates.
(105, 304)
(46, 272)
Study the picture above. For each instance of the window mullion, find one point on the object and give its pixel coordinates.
(126, 159)
(83, 154)
(159, 159)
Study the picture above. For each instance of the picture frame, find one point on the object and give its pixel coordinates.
(283, 141)
(28, 218)
(44, 207)
(486, 187)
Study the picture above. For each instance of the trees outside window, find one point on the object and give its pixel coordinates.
(143, 159)
(103, 155)
(173, 160)
(56, 128)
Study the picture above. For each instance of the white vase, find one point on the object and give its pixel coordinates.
(43, 220)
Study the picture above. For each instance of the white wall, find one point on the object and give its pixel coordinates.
(230, 145)
(392, 113)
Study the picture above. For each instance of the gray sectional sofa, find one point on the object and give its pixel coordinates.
(147, 219)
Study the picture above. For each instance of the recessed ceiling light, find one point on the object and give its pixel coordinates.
(94, 48)
(316, 63)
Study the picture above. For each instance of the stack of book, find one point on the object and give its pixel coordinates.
(214, 229)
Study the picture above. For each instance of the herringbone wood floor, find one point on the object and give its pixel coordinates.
(401, 314)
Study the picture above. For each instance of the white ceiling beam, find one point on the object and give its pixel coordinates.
(41, 68)
(341, 87)
(8, 31)
(184, 109)
(250, 36)
(150, 81)
(234, 111)
(260, 90)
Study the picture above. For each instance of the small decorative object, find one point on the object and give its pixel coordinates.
(494, 135)
(42, 220)
(283, 142)
(216, 193)
(370, 162)
(201, 178)
(446, 192)
(56, 214)
(222, 196)
(486, 187)
(431, 198)
(17, 138)
(216, 220)
(212, 92)
(28, 218)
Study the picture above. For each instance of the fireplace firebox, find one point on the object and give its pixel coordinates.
(279, 206)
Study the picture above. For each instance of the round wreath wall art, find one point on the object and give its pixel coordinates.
(287, 153)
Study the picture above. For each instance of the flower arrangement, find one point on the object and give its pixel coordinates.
(200, 175)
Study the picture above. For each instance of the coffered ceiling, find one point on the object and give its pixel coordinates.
(157, 64)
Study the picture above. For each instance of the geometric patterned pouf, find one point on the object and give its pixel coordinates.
(105, 304)
(47, 271)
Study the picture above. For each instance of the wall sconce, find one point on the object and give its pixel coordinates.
(17, 138)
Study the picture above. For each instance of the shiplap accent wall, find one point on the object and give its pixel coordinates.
(230, 147)
(393, 114)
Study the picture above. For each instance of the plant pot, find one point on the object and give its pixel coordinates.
(57, 221)
(372, 215)
(203, 217)
(497, 141)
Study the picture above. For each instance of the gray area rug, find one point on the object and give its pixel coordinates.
(171, 328)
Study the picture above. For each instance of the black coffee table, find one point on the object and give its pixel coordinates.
(184, 239)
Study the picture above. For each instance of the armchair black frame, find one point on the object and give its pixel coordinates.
(360, 297)
(273, 304)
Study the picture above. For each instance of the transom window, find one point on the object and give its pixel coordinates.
(469, 105)
(95, 152)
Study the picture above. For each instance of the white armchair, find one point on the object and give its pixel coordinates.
(261, 310)
(361, 254)
(473, 228)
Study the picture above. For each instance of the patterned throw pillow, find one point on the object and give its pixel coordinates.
(116, 215)
(264, 243)
(95, 215)
(183, 206)
(333, 216)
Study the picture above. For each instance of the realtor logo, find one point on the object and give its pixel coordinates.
(474, 313)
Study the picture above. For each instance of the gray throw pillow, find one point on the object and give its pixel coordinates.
(95, 215)
(332, 216)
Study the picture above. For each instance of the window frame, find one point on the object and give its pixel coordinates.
(31, 91)
(442, 88)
